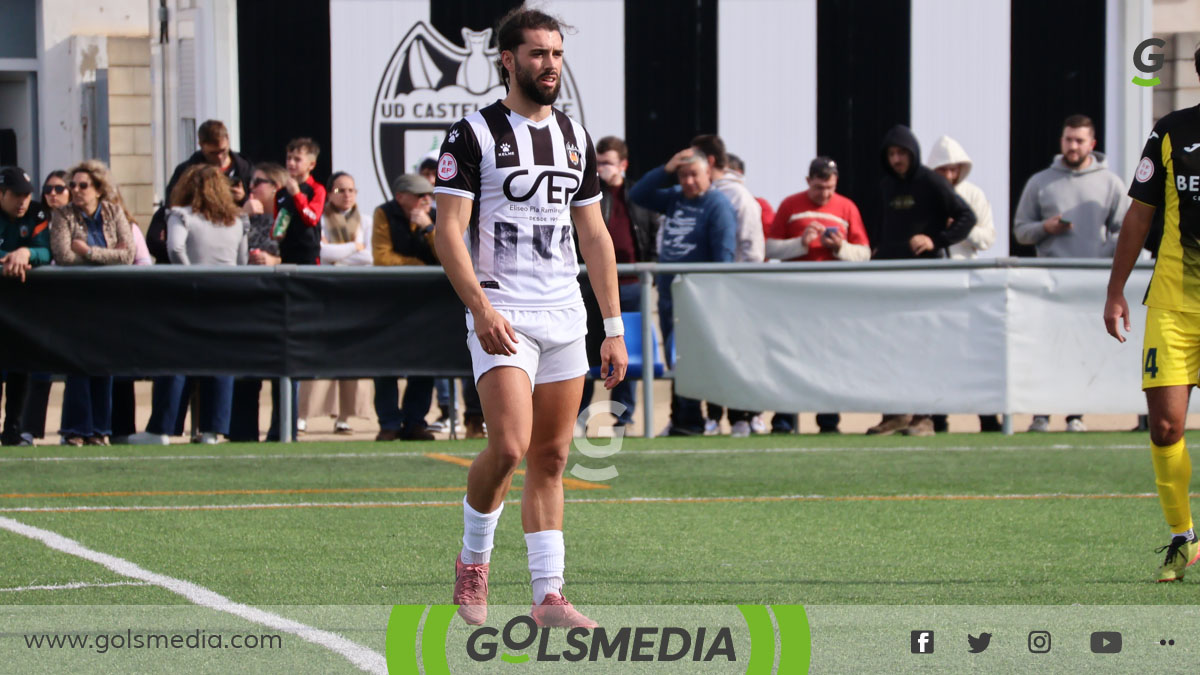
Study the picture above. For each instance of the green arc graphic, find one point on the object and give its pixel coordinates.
(509, 658)
(1146, 83)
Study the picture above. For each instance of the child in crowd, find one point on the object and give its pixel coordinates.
(299, 205)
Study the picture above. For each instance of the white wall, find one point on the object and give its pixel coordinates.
(66, 64)
(767, 91)
(960, 82)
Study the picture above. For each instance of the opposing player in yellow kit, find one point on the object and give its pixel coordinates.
(1167, 178)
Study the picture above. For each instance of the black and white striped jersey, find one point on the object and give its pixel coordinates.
(523, 177)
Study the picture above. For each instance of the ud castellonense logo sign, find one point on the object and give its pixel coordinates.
(429, 84)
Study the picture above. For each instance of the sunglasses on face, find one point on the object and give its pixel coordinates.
(259, 181)
(56, 189)
(79, 186)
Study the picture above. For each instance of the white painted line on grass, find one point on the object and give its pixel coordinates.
(665, 451)
(581, 500)
(364, 658)
(73, 586)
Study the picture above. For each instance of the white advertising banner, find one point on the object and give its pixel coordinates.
(398, 84)
(954, 340)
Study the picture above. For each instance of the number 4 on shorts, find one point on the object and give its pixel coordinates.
(1152, 362)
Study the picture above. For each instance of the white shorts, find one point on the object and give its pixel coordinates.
(551, 345)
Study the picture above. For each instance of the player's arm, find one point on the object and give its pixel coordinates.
(495, 334)
(595, 245)
(1129, 247)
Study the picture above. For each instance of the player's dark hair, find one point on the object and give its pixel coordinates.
(1079, 122)
(510, 32)
(612, 143)
(712, 146)
(212, 132)
(304, 144)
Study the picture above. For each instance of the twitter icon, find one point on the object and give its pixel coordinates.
(978, 644)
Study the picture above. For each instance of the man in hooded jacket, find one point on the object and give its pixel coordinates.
(948, 158)
(922, 218)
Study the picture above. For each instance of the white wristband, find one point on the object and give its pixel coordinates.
(614, 327)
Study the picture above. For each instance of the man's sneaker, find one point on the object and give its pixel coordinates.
(1075, 424)
(471, 591)
(209, 438)
(922, 425)
(556, 612)
(147, 438)
(890, 424)
(441, 424)
(1040, 423)
(301, 425)
(758, 426)
(1180, 554)
(712, 427)
(740, 430)
(342, 427)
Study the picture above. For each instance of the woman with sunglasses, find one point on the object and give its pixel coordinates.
(345, 240)
(55, 192)
(91, 230)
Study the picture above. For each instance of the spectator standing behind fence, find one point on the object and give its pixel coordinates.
(55, 195)
(750, 248)
(24, 244)
(299, 206)
(922, 218)
(345, 241)
(633, 231)
(91, 230)
(948, 158)
(1073, 209)
(214, 150)
(699, 226)
(738, 166)
(403, 236)
(267, 180)
(816, 225)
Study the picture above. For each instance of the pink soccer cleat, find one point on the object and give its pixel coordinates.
(556, 612)
(470, 591)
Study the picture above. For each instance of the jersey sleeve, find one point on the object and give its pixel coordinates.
(589, 186)
(1149, 179)
(458, 162)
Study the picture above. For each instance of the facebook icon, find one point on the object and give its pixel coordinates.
(922, 642)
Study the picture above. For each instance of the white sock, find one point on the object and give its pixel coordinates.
(1190, 534)
(478, 532)
(547, 559)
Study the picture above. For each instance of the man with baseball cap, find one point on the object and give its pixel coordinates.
(24, 244)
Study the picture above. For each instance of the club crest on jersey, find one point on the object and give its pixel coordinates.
(24, 231)
(429, 84)
(1145, 170)
(573, 154)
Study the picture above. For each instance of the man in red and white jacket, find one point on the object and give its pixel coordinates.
(818, 224)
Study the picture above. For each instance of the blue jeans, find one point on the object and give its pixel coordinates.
(395, 415)
(87, 406)
(169, 404)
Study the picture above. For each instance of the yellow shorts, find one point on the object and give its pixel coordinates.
(1171, 350)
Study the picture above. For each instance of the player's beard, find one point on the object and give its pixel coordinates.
(534, 91)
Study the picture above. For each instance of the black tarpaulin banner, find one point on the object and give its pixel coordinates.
(286, 320)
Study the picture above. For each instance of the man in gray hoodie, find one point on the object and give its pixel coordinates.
(1073, 209)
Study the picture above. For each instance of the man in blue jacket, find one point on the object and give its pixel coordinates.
(699, 226)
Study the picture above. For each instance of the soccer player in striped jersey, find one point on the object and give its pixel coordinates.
(1167, 178)
(514, 176)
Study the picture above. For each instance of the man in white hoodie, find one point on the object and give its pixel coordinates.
(1072, 210)
(948, 158)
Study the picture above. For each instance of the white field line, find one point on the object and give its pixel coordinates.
(581, 500)
(364, 658)
(679, 451)
(72, 586)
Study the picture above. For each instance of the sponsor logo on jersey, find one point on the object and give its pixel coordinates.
(506, 150)
(431, 82)
(559, 186)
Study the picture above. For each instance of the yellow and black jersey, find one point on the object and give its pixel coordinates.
(1168, 178)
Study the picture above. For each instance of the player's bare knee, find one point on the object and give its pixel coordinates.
(506, 455)
(546, 461)
(1165, 431)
